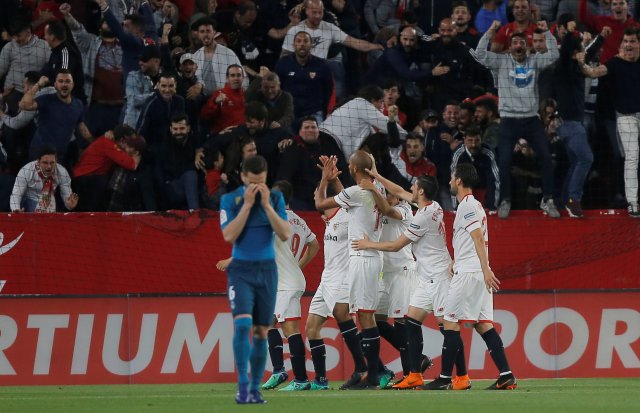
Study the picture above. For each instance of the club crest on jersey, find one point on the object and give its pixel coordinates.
(312, 75)
(238, 199)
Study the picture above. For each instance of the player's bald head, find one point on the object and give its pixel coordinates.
(361, 160)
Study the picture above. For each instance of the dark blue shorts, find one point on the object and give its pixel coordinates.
(251, 288)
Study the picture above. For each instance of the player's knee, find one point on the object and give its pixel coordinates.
(482, 328)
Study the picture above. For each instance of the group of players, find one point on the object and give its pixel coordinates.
(361, 221)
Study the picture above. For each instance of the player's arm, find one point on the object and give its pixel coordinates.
(392, 187)
(232, 230)
(490, 279)
(386, 246)
(279, 224)
(330, 175)
(381, 201)
(312, 250)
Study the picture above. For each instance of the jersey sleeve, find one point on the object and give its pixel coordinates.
(348, 198)
(404, 209)
(418, 227)
(227, 210)
(308, 234)
(278, 205)
(471, 220)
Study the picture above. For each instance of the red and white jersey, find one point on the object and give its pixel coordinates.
(427, 232)
(469, 216)
(391, 230)
(364, 217)
(336, 250)
(301, 235)
(290, 276)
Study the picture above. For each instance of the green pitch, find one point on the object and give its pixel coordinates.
(547, 396)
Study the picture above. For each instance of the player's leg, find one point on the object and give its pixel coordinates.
(297, 355)
(317, 349)
(349, 332)
(386, 329)
(276, 354)
(506, 380)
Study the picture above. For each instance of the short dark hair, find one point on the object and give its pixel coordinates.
(286, 188)
(122, 131)
(459, 3)
(64, 72)
(47, 149)
(169, 75)
(473, 130)
(489, 104)
(467, 173)
(205, 21)
(136, 20)
(19, 25)
(255, 165)
(389, 83)
(57, 29)
(564, 19)
(32, 76)
(371, 93)
(256, 110)
(232, 66)
(538, 31)
(413, 136)
(518, 34)
(245, 6)
(180, 117)
(429, 184)
(632, 31)
(467, 105)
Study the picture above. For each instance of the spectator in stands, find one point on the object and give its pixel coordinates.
(6, 183)
(130, 31)
(141, 84)
(538, 42)
(213, 59)
(175, 173)
(59, 115)
(354, 121)
(132, 190)
(523, 23)
(466, 113)
(400, 63)
(245, 32)
(92, 172)
(307, 77)
(239, 150)
(413, 162)
(26, 52)
(491, 11)
(473, 151)
(102, 66)
(380, 13)
(298, 162)
(64, 56)
(325, 34)
(280, 16)
(461, 17)
(569, 74)
(225, 107)
(623, 74)
(516, 75)
(486, 116)
(454, 68)
(429, 120)
(215, 180)
(618, 21)
(265, 88)
(391, 89)
(157, 111)
(37, 182)
(430, 13)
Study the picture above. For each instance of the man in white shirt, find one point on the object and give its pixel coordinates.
(470, 297)
(365, 220)
(36, 184)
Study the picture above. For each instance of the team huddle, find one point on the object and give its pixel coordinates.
(380, 261)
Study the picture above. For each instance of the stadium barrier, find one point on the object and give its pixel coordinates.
(176, 252)
(188, 339)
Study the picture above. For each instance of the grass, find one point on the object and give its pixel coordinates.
(548, 396)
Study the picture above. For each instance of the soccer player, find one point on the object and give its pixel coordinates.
(427, 233)
(470, 297)
(365, 219)
(332, 295)
(249, 217)
(291, 285)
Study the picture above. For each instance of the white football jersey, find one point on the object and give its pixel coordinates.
(364, 217)
(427, 232)
(290, 276)
(391, 230)
(301, 235)
(469, 216)
(336, 250)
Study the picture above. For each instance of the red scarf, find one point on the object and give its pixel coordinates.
(46, 201)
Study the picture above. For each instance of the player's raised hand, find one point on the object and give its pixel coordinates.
(250, 194)
(329, 168)
(492, 282)
(361, 244)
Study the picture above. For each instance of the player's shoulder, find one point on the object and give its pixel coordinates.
(234, 197)
(469, 208)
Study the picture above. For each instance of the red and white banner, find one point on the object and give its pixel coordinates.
(189, 339)
(176, 252)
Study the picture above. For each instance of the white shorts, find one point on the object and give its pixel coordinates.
(288, 306)
(363, 283)
(430, 295)
(326, 298)
(394, 292)
(468, 300)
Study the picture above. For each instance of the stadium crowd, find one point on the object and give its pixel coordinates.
(128, 105)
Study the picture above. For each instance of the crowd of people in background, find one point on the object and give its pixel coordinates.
(129, 105)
